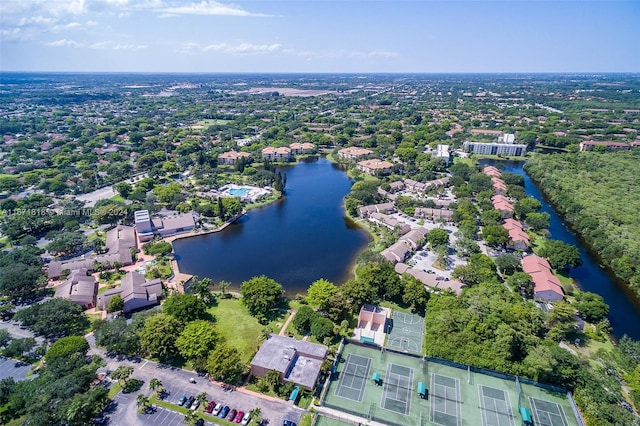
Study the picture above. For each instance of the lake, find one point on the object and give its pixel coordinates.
(299, 239)
(624, 314)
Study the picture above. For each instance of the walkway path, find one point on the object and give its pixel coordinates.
(283, 330)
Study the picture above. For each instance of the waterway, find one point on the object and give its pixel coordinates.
(624, 314)
(296, 241)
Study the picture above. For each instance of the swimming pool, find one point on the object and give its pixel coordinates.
(238, 192)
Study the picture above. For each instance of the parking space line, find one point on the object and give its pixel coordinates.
(143, 364)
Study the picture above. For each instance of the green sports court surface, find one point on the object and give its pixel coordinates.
(406, 333)
(456, 397)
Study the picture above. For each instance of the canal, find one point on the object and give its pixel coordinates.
(624, 314)
(296, 241)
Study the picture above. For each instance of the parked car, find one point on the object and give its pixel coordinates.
(225, 411)
(232, 415)
(200, 422)
(194, 406)
(190, 401)
(246, 419)
(239, 416)
(217, 409)
(210, 407)
(182, 400)
(286, 422)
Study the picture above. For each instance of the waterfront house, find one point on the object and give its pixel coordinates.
(354, 153)
(136, 292)
(231, 157)
(375, 167)
(546, 286)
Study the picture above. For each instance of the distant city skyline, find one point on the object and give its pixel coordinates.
(353, 36)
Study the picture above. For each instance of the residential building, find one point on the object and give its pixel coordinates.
(494, 148)
(518, 238)
(389, 222)
(121, 238)
(499, 187)
(492, 171)
(166, 226)
(397, 252)
(375, 167)
(415, 238)
(302, 148)
(546, 286)
(430, 279)
(136, 292)
(433, 214)
(354, 153)
(502, 204)
(372, 322)
(610, 145)
(366, 211)
(81, 288)
(442, 151)
(231, 157)
(420, 187)
(282, 153)
(143, 225)
(297, 361)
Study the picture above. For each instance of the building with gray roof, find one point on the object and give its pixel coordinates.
(136, 292)
(80, 288)
(297, 361)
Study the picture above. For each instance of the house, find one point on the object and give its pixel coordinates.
(518, 238)
(120, 238)
(54, 269)
(499, 187)
(389, 222)
(81, 288)
(433, 214)
(415, 238)
(397, 252)
(430, 280)
(297, 361)
(282, 153)
(302, 148)
(419, 187)
(354, 152)
(502, 204)
(136, 292)
(375, 167)
(143, 225)
(611, 146)
(366, 211)
(546, 286)
(396, 186)
(442, 151)
(231, 157)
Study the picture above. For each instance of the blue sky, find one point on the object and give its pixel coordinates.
(319, 36)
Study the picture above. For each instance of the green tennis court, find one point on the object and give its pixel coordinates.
(445, 401)
(546, 413)
(496, 407)
(353, 377)
(398, 384)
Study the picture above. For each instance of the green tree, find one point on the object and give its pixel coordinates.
(124, 189)
(356, 294)
(155, 385)
(561, 255)
(117, 336)
(56, 317)
(321, 328)
(525, 206)
(560, 320)
(197, 339)
(495, 235)
(224, 286)
(122, 373)
(508, 264)
(5, 337)
(202, 289)
(142, 402)
(66, 242)
(19, 280)
(116, 303)
(261, 295)
(65, 347)
(185, 307)
(415, 294)
(225, 363)
(320, 292)
(159, 335)
(438, 237)
(522, 283)
(591, 306)
(18, 347)
(303, 319)
(538, 221)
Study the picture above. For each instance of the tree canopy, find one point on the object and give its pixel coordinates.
(261, 295)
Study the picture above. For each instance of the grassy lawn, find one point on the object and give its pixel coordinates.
(118, 199)
(173, 407)
(212, 122)
(240, 329)
(115, 389)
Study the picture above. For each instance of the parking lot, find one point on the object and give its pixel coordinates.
(12, 368)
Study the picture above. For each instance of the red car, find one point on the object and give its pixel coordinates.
(210, 407)
(239, 416)
(232, 415)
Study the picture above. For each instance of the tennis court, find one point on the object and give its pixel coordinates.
(353, 377)
(406, 332)
(445, 401)
(398, 384)
(547, 413)
(496, 407)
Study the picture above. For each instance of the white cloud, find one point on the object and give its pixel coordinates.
(103, 45)
(209, 7)
(237, 49)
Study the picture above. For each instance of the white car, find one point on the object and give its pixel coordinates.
(245, 419)
(217, 409)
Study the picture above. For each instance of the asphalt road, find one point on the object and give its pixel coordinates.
(12, 368)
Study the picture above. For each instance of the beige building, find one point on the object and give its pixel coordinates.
(282, 153)
(354, 153)
(375, 167)
(231, 157)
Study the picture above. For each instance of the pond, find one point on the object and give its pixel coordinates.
(301, 238)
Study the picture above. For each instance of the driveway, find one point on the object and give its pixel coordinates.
(13, 368)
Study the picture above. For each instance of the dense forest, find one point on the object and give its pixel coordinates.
(597, 195)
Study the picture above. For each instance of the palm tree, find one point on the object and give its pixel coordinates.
(256, 415)
(224, 285)
(202, 397)
(142, 401)
(190, 418)
(122, 373)
(155, 385)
